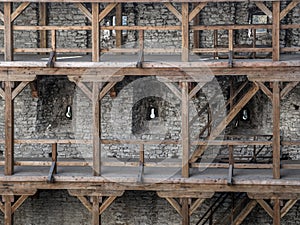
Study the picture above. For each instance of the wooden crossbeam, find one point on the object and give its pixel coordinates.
(195, 90)
(196, 205)
(266, 207)
(84, 10)
(106, 89)
(1, 16)
(19, 202)
(175, 205)
(264, 9)
(286, 208)
(231, 115)
(19, 88)
(196, 10)
(19, 10)
(174, 89)
(2, 93)
(85, 202)
(287, 9)
(107, 10)
(85, 89)
(265, 89)
(290, 86)
(185, 194)
(245, 212)
(106, 203)
(173, 10)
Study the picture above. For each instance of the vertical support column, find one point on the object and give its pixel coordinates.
(119, 23)
(277, 214)
(276, 31)
(185, 211)
(96, 130)
(9, 131)
(8, 32)
(95, 33)
(185, 32)
(43, 22)
(8, 215)
(276, 130)
(196, 32)
(96, 211)
(54, 156)
(185, 130)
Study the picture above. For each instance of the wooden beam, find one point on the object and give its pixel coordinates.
(264, 9)
(290, 86)
(119, 23)
(96, 218)
(276, 210)
(9, 132)
(196, 205)
(175, 205)
(196, 35)
(106, 203)
(2, 93)
(231, 115)
(185, 211)
(1, 16)
(196, 10)
(106, 89)
(286, 208)
(276, 130)
(85, 202)
(96, 130)
(2, 207)
(185, 194)
(287, 9)
(276, 31)
(185, 130)
(8, 215)
(19, 10)
(195, 90)
(19, 202)
(19, 88)
(8, 32)
(265, 90)
(185, 32)
(245, 212)
(266, 207)
(173, 10)
(94, 192)
(84, 10)
(43, 22)
(107, 10)
(84, 89)
(95, 33)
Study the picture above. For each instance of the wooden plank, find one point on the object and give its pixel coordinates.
(287, 9)
(265, 90)
(106, 203)
(185, 194)
(96, 130)
(173, 10)
(283, 196)
(185, 209)
(175, 205)
(185, 130)
(119, 23)
(95, 33)
(19, 10)
(84, 89)
(196, 205)
(9, 134)
(19, 202)
(8, 33)
(276, 130)
(264, 9)
(185, 32)
(195, 90)
(266, 207)
(196, 10)
(106, 89)
(8, 215)
(107, 10)
(84, 10)
(85, 202)
(231, 115)
(290, 86)
(276, 210)
(276, 31)
(96, 217)
(94, 192)
(286, 208)
(43, 22)
(19, 88)
(245, 212)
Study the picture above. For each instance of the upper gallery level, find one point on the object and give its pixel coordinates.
(136, 34)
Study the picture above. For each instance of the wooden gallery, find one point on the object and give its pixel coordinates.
(142, 113)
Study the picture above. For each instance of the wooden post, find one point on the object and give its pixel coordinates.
(196, 32)
(96, 211)
(9, 131)
(8, 32)
(119, 23)
(276, 31)
(95, 33)
(276, 210)
(185, 32)
(185, 211)
(96, 130)
(276, 130)
(185, 130)
(54, 156)
(43, 22)
(8, 215)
